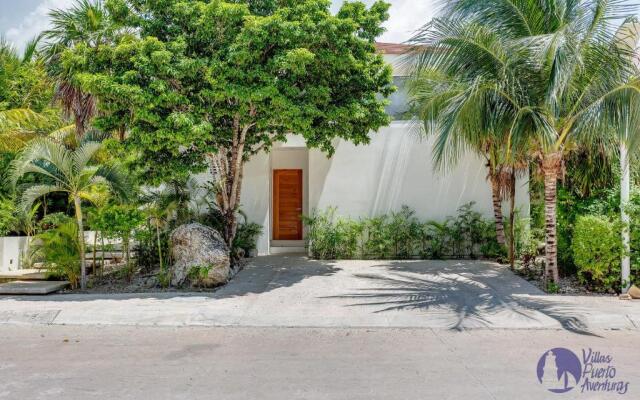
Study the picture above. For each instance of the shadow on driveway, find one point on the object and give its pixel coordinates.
(474, 291)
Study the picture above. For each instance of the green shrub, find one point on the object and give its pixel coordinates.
(198, 274)
(8, 220)
(404, 231)
(118, 221)
(59, 250)
(247, 233)
(330, 238)
(52, 221)
(247, 236)
(597, 250)
(400, 235)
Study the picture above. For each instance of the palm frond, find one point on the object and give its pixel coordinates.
(83, 154)
(35, 192)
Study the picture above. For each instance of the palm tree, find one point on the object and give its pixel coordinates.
(86, 23)
(24, 107)
(66, 171)
(455, 108)
(553, 72)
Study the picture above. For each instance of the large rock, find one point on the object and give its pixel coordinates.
(196, 245)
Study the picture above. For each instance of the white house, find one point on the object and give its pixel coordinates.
(395, 169)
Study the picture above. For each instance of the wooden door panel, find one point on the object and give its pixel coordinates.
(287, 204)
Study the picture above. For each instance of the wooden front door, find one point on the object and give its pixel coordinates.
(287, 204)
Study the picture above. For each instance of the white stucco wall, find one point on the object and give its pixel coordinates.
(11, 253)
(395, 169)
(256, 196)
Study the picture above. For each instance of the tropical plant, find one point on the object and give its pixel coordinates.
(86, 23)
(400, 235)
(67, 171)
(158, 217)
(597, 248)
(25, 96)
(553, 76)
(330, 237)
(118, 221)
(7, 216)
(60, 251)
(247, 237)
(23, 81)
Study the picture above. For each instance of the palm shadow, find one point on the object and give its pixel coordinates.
(472, 294)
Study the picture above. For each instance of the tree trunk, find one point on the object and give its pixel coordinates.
(497, 208)
(80, 129)
(625, 188)
(102, 255)
(551, 168)
(159, 246)
(95, 251)
(227, 168)
(512, 220)
(83, 264)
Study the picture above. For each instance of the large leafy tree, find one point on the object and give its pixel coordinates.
(553, 72)
(62, 170)
(214, 82)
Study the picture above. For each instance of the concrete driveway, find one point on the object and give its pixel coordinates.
(292, 291)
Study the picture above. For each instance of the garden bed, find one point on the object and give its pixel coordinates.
(114, 281)
(568, 285)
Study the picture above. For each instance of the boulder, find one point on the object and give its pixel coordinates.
(198, 246)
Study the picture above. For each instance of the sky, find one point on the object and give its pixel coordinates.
(21, 20)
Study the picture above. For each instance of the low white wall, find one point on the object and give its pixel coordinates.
(11, 250)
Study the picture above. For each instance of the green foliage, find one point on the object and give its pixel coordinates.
(597, 250)
(52, 221)
(552, 287)
(330, 238)
(247, 236)
(198, 274)
(69, 171)
(116, 221)
(544, 79)
(192, 72)
(59, 250)
(23, 81)
(400, 235)
(164, 278)
(8, 220)
(152, 247)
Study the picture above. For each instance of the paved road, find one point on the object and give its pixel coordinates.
(289, 328)
(116, 362)
(296, 292)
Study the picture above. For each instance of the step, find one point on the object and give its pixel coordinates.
(23, 275)
(32, 287)
(287, 250)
